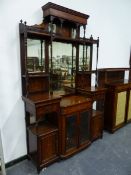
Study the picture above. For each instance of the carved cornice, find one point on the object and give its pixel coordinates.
(64, 9)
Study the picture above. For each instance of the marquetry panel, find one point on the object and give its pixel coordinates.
(121, 105)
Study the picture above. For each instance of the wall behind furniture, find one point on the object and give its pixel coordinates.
(108, 19)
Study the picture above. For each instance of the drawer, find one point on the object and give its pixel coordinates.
(75, 108)
(41, 110)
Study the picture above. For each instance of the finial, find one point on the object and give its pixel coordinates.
(21, 21)
(98, 42)
(130, 58)
(91, 37)
(25, 23)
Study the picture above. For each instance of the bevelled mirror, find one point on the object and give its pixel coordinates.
(35, 55)
(84, 58)
(62, 65)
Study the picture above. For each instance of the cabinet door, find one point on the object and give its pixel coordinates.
(84, 123)
(96, 127)
(129, 107)
(121, 108)
(71, 132)
(48, 148)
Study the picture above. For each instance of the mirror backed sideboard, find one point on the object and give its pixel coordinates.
(64, 113)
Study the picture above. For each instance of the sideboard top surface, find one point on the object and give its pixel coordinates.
(119, 83)
(41, 97)
(73, 100)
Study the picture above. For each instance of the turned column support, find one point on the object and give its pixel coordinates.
(96, 80)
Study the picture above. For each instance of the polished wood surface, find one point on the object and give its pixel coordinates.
(42, 97)
(42, 129)
(73, 100)
(93, 92)
(51, 9)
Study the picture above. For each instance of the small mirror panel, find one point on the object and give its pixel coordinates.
(84, 58)
(35, 55)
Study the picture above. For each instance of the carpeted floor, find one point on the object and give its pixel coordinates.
(108, 156)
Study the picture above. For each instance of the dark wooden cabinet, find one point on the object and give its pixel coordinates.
(117, 101)
(42, 112)
(54, 60)
(75, 116)
(117, 105)
(43, 144)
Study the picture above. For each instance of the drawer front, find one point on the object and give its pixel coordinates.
(75, 108)
(41, 110)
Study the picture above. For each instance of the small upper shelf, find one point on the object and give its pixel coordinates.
(51, 9)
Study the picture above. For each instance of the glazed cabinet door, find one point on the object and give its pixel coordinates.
(121, 108)
(84, 123)
(71, 132)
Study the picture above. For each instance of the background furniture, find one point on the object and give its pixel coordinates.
(117, 105)
(117, 100)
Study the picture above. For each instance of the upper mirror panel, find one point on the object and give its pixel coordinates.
(84, 58)
(35, 55)
(63, 65)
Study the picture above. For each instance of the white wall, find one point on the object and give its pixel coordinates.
(110, 20)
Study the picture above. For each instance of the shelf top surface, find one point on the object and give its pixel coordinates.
(93, 89)
(43, 129)
(118, 82)
(41, 97)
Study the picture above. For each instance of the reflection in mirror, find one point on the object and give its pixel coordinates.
(63, 65)
(84, 58)
(35, 55)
